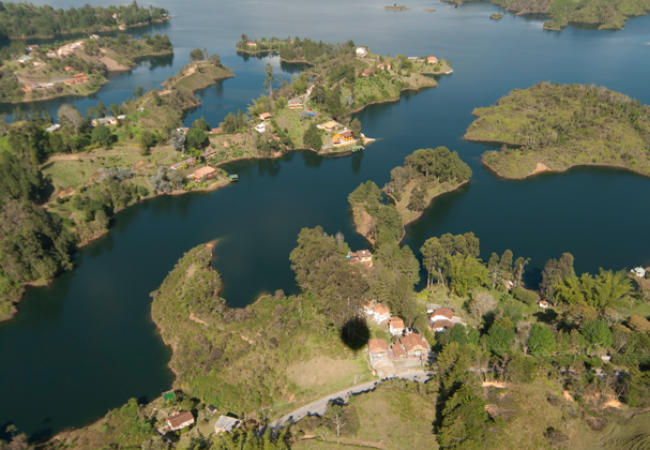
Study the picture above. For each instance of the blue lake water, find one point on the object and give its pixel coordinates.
(87, 343)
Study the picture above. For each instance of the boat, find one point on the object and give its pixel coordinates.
(233, 177)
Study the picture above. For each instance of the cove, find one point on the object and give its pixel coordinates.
(86, 343)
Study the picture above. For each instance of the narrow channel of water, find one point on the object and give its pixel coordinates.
(86, 343)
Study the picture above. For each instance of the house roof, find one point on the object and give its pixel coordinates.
(381, 310)
(396, 322)
(432, 59)
(226, 423)
(412, 340)
(265, 116)
(348, 134)
(443, 323)
(366, 72)
(398, 350)
(446, 312)
(330, 124)
(377, 345)
(543, 303)
(203, 171)
(180, 418)
(217, 130)
(362, 253)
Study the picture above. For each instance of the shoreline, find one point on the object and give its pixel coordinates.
(101, 30)
(547, 169)
(392, 100)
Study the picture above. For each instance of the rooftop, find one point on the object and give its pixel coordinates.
(180, 418)
(377, 345)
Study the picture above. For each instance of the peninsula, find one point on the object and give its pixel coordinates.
(426, 174)
(33, 72)
(555, 127)
(25, 20)
(603, 14)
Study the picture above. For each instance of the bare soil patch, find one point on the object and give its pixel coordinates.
(320, 371)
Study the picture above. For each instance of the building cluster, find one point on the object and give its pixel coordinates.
(185, 419)
(441, 319)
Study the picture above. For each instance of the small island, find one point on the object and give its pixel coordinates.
(554, 127)
(497, 16)
(430, 9)
(77, 68)
(426, 174)
(396, 7)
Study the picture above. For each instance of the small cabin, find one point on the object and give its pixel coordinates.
(226, 424)
(180, 420)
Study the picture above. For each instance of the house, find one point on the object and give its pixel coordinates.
(226, 424)
(415, 346)
(441, 314)
(311, 113)
(24, 59)
(396, 326)
(190, 161)
(295, 103)
(115, 16)
(69, 69)
(261, 128)
(329, 126)
(543, 304)
(94, 36)
(51, 54)
(180, 420)
(53, 128)
(265, 116)
(368, 308)
(78, 78)
(176, 166)
(441, 325)
(361, 51)
(397, 352)
(361, 257)
(217, 130)
(121, 117)
(366, 73)
(378, 350)
(344, 137)
(415, 59)
(382, 313)
(251, 44)
(209, 153)
(206, 172)
(384, 66)
(638, 271)
(432, 60)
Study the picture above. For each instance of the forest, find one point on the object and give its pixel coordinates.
(555, 127)
(22, 20)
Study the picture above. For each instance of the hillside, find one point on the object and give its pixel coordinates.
(555, 127)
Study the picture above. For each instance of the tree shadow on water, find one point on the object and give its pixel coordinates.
(355, 334)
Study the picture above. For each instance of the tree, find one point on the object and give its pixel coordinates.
(500, 339)
(139, 91)
(416, 202)
(597, 333)
(355, 127)
(465, 273)
(115, 110)
(433, 258)
(177, 141)
(268, 78)
(196, 55)
(68, 114)
(464, 421)
(146, 140)
(201, 124)
(335, 416)
(197, 139)
(102, 135)
(542, 341)
(481, 303)
(311, 138)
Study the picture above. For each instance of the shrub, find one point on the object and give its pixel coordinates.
(639, 324)
(525, 296)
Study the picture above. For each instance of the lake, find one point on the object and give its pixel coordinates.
(87, 343)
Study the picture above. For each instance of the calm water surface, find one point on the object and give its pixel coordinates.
(86, 343)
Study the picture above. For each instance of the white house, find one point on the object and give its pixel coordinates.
(53, 128)
(362, 51)
(543, 304)
(261, 128)
(396, 326)
(382, 313)
(638, 271)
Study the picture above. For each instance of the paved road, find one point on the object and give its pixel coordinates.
(319, 406)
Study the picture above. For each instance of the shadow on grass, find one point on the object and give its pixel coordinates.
(548, 316)
(355, 334)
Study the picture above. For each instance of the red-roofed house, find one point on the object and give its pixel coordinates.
(180, 420)
(432, 60)
(441, 325)
(396, 326)
(378, 350)
(441, 314)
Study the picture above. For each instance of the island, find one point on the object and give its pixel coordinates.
(430, 9)
(603, 14)
(77, 68)
(497, 16)
(553, 127)
(25, 20)
(426, 174)
(396, 7)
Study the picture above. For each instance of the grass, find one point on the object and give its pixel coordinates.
(409, 216)
(198, 75)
